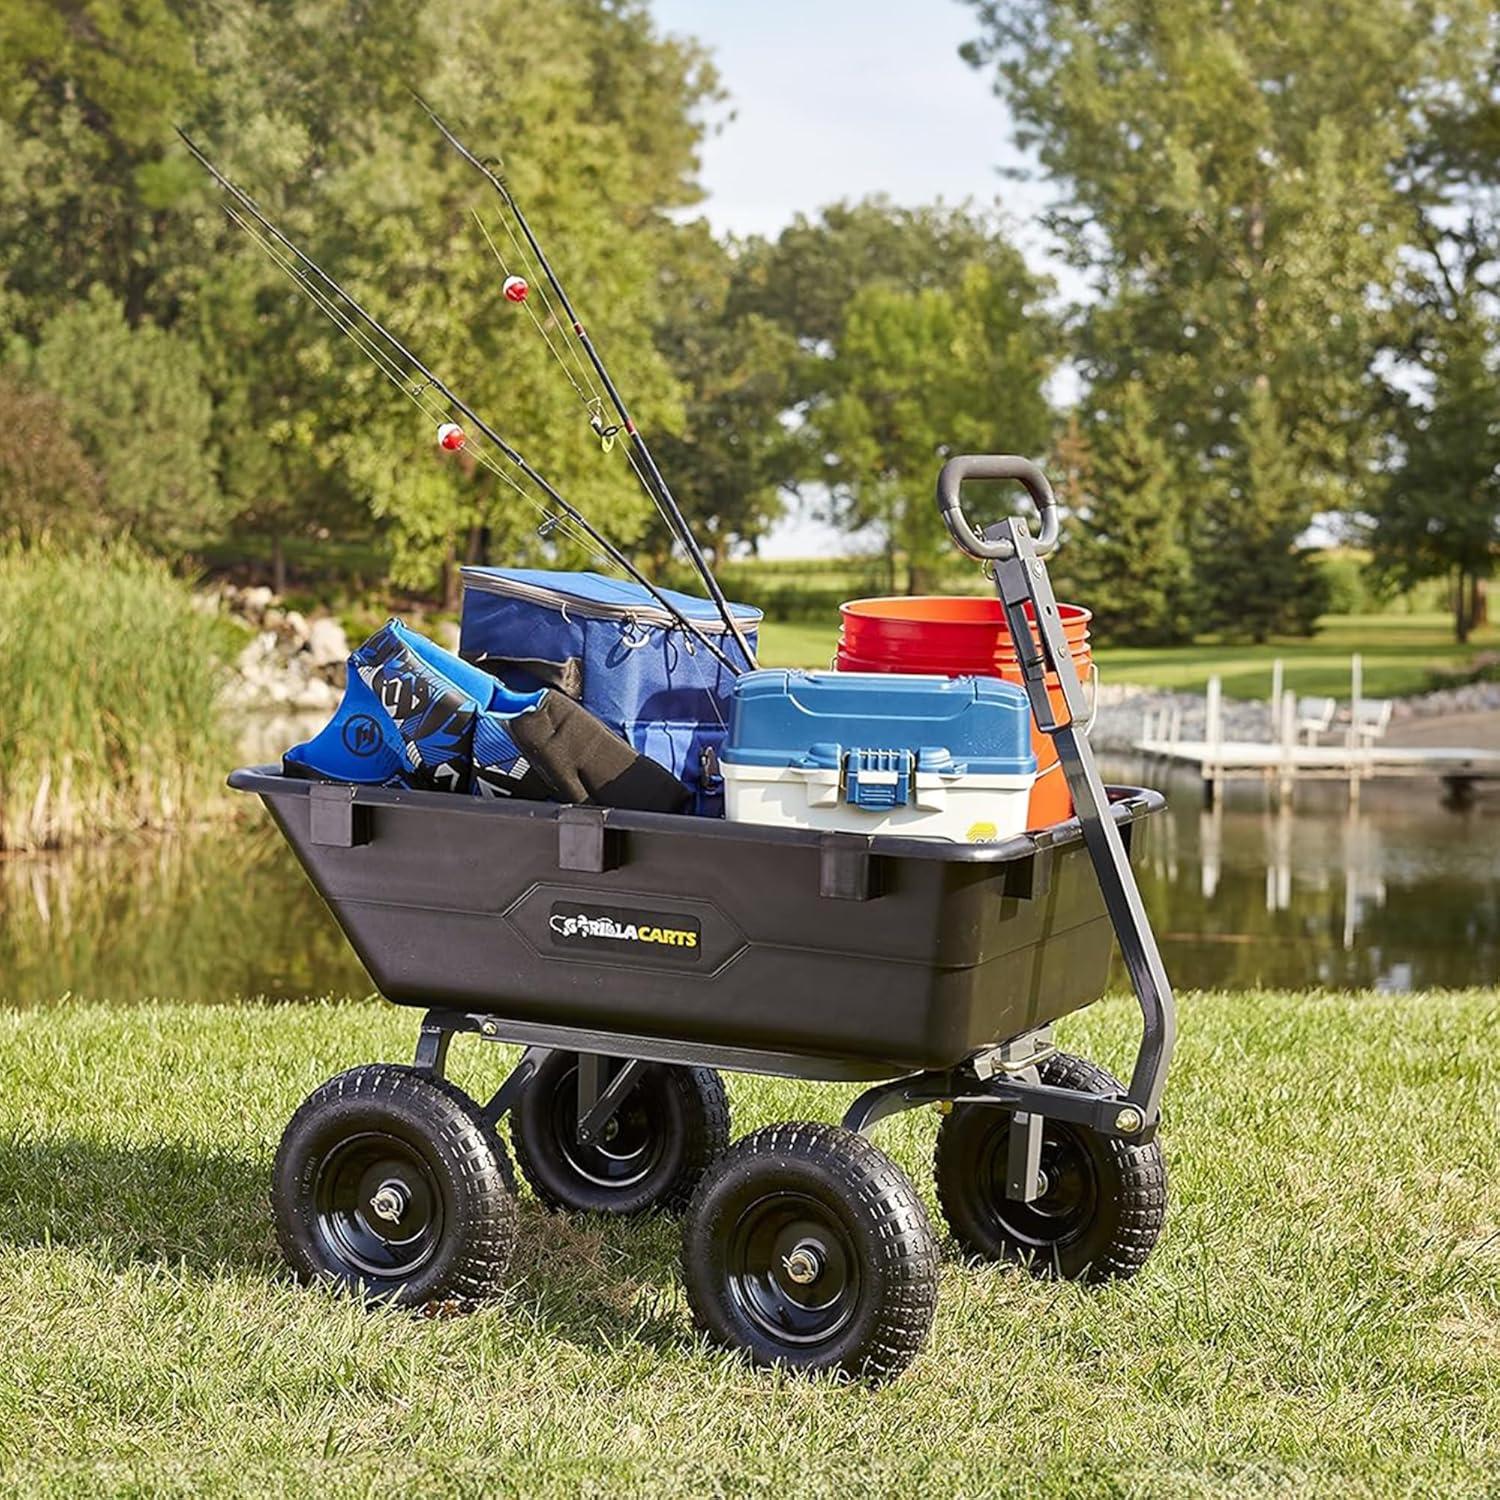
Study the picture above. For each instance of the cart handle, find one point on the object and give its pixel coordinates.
(995, 466)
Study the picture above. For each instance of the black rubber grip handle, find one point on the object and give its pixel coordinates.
(994, 466)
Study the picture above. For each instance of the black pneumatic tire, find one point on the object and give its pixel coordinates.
(807, 1246)
(1104, 1201)
(670, 1127)
(389, 1182)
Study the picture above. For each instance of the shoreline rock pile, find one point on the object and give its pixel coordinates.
(292, 663)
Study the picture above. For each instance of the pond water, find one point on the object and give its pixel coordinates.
(1400, 894)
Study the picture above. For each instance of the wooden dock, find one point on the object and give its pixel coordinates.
(1459, 770)
(1285, 760)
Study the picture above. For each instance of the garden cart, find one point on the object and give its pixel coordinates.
(633, 955)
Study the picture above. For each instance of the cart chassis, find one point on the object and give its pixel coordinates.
(1004, 1076)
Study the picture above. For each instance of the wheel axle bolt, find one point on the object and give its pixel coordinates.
(488, 1028)
(804, 1265)
(1128, 1121)
(390, 1202)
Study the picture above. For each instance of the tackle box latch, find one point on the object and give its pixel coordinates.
(878, 779)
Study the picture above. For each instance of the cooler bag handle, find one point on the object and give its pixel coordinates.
(994, 466)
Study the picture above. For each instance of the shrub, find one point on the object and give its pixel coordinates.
(1343, 574)
(113, 677)
(47, 485)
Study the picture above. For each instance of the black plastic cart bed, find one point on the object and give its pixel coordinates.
(634, 953)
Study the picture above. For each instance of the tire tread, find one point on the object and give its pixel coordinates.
(1140, 1185)
(883, 1196)
(457, 1129)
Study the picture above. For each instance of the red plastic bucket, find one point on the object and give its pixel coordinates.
(945, 636)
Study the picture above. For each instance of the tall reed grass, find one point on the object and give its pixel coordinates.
(108, 703)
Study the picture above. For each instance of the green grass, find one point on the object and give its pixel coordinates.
(1401, 654)
(1321, 1317)
(112, 675)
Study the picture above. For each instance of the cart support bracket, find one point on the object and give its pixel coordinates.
(582, 842)
(332, 818)
(598, 1106)
(1023, 1162)
(432, 1047)
(1121, 1116)
(504, 1097)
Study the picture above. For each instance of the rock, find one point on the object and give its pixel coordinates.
(256, 601)
(315, 695)
(327, 645)
(296, 626)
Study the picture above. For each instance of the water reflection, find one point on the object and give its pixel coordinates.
(1396, 893)
(1401, 893)
(197, 916)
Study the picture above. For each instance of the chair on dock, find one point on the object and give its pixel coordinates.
(1315, 717)
(1372, 717)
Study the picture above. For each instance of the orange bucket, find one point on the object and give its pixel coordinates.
(946, 636)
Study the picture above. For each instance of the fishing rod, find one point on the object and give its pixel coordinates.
(651, 480)
(431, 379)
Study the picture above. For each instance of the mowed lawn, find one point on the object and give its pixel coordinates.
(1322, 1316)
(1400, 654)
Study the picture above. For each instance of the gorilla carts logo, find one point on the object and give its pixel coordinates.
(656, 935)
(361, 735)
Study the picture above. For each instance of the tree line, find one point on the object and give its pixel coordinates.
(1285, 216)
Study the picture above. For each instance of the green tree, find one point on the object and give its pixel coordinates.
(1227, 178)
(1253, 576)
(1127, 556)
(804, 278)
(733, 457)
(135, 398)
(306, 104)
(916, 377)
(922, 333)
(1440, 514)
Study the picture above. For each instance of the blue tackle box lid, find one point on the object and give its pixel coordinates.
(816, 719)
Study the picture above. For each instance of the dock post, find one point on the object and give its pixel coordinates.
(1356, 693)
(1287, 735)
(1277, 680)
(1213, 734)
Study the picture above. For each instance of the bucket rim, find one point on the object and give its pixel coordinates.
(1069, 614)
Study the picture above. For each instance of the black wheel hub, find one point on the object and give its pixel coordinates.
(792, 1269)
(378, 1206)
(1069, 1198)
(626, 1150)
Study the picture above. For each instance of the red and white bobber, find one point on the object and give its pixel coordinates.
(515, 288)
(451, 437)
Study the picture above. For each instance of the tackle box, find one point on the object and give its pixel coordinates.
(871, 752)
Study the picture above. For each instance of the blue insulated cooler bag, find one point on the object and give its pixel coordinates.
(611, 646)
(416, 715)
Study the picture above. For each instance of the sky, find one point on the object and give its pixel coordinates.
(833, 99)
